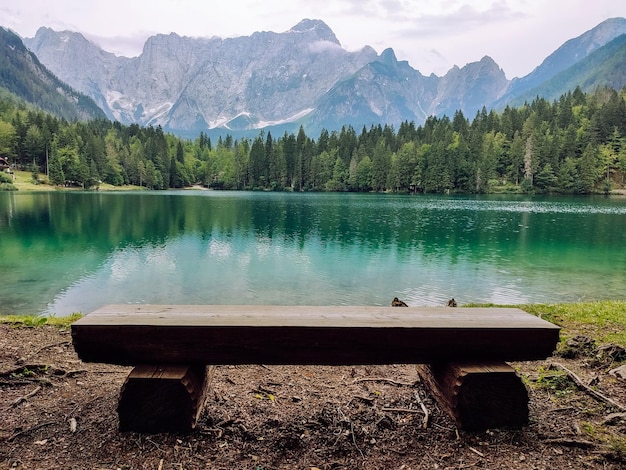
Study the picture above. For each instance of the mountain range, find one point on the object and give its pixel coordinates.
(304, 76)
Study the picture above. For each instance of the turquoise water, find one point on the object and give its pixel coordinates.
(64, 252)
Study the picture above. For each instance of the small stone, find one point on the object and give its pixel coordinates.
(619, 372)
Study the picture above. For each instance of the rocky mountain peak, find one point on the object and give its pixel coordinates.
(301, 76)
(470, 87)
(191, 84)
(315, 28)
(485, 66)
(388, 56)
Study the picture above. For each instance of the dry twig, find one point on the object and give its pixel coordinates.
(26, 431)
(402, 410)
(579, 383)
(426, 419)
(60, 343)
(382, 379)
(614, 418)
(26, 397)
(570, 442)
(477, 452)
(349, 421)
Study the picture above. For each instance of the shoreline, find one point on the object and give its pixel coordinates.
(23, 182)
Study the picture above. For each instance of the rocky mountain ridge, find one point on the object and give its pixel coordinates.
(302, 76)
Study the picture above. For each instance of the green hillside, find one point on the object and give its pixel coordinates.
(605, 67)
(23, 76)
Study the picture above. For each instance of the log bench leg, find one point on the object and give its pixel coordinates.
(478, 395)
(163, 398)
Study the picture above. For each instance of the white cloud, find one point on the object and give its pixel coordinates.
(518, 35)
(323, 46)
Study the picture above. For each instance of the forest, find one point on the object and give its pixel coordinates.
(573, 145)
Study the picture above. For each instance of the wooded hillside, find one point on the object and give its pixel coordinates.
(576, 144)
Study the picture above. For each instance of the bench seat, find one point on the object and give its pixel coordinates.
(309, 335)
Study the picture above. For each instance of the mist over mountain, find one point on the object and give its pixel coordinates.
(302, 76)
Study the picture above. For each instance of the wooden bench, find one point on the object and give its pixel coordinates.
(461, 352)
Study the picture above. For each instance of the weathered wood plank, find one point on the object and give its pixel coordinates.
(478, 395)
(323, 316)
(309, 335)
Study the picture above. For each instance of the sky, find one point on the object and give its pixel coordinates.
(432, 35)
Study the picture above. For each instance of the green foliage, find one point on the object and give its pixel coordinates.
(557, 382)
(6, 183)
(34, 171)
(574, 145)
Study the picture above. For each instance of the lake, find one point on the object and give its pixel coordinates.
(65, 252)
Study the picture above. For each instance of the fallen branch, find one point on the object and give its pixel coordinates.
(402, 410)
(15, 382)
(382, 379)
(29, 430)
(60, 343)
(74, 373)
(108, 372)
(579, 383)
(570, 442)
(614, 418)
(26, 397)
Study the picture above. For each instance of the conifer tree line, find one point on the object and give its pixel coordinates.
(576, 144)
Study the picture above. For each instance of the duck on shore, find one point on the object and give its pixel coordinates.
(396, 302)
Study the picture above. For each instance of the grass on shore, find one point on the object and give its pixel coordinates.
(604, 321)
(32, 321)
(23, 181)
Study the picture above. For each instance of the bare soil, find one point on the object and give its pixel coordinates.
(58, 412)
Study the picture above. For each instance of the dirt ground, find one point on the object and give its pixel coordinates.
(58, 412)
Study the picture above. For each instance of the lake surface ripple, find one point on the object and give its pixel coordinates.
(64, 252)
